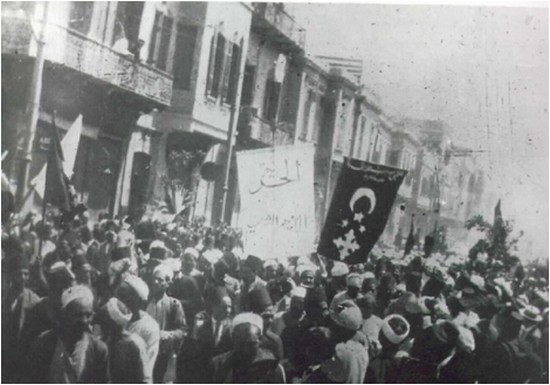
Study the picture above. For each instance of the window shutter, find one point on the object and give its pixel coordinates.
(248, 85)
(183, 58)
(211, 62)
(165, 36)
(234, 72)
(154, 36)
(226, 71)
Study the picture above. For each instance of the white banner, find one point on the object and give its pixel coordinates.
(277, 214)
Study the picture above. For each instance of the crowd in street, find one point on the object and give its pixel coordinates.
(179, 302)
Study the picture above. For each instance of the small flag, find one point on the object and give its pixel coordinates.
(56, 189)
(411, 241)
(69, 148)
(359, 210)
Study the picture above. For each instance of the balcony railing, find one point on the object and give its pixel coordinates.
(262, 130)
(275, 14)
(91, 57)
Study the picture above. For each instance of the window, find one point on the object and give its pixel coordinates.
(425, 187)
(183, 57)
(307, 115)
(271, 100)
(376, 148)
(219, 55)
(248, 85)
(80, 17)
(128, 20)
(160, 40)
(223, 68)
(361, 137)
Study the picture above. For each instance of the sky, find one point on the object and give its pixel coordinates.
(483, 69)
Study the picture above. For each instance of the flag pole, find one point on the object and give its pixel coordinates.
(32, 110)
(232, 133)
(39, 256)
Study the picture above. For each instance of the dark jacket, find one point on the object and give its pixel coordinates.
(198, 349)
(96, 359)
(264, 368)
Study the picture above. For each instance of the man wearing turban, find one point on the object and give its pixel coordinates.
(70, 354)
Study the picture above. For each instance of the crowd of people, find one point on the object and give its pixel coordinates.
(179, 302)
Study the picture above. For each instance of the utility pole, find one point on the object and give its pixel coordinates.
(32, 111)
(233, 120)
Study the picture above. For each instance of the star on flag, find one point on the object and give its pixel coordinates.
(358, 217)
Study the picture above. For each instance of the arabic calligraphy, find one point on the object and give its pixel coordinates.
(292, 222)
(275, 177)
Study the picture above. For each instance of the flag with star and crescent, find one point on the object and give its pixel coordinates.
(360, 207)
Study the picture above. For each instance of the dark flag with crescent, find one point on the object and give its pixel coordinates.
(360, 207)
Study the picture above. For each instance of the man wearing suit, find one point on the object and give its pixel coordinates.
(210, 336)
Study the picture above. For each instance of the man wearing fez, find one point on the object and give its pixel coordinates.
(247, 362)
(157, 254)
(261, 304)
(168, 313)
(70, 353)
(133, 292)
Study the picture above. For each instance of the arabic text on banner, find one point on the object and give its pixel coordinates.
(277, 213)
(359, 210)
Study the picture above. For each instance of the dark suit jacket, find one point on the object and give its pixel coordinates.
(197, 352)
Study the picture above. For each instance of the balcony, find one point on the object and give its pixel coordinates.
(273, 16)
(80, 53)
(253, 127)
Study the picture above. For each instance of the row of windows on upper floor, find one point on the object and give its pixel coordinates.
(171, 46)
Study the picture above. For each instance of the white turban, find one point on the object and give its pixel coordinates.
(78, 292)
(157, 245)
(192, 251)
(248, 318)
(116, 312)
(139, 286)
(390, 334)
(165, 270)
(339, 269)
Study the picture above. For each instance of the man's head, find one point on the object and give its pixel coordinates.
(367, 304)
(59, 277)
(307, 276)
(315, 304)
(395, 329)
(133, 292)
(261, 304)
(162, 276)
(189, 260)
(353, 282)
(247, 331)
(76, 309)
(218, 302)
(113, 318)
(250, 269)
(369, 284)
(157, 250)
(297, 300)
(19, 271)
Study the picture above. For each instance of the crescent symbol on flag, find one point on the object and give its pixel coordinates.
(360, 193)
